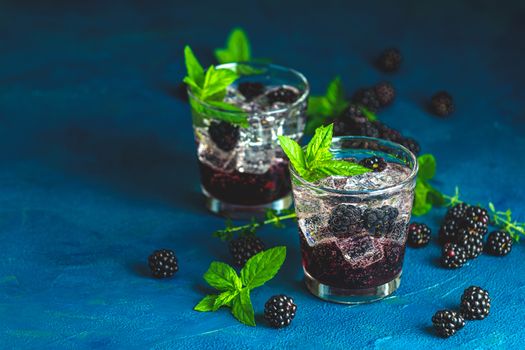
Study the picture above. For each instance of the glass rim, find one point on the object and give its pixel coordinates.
(377, 191)
(301, 99)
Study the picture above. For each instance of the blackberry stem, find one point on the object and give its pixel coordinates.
(273, 218)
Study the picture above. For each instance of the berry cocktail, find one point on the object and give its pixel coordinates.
(353, 228)
(243, 169)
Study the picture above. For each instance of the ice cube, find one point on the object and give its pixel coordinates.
(212, 155)
(398, 233)
(314, 228)
(360, 251)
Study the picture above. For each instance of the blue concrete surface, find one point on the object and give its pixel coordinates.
(97, 168)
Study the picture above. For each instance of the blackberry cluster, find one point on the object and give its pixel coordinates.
(385, 93)
(367, 98)
(389, 60)
(279, 311)
(243, 248)
(345, 219)
(472, 242)
(442, 104)
(377, 164)
(418, 235)
(476, 219)
(447, 322)
(224, 135)
(251, 90)
(475, 303)
(457, 212)
(499, 243)
(163, 263)
(465, 219)
(453, 256)
(380, 220)
(282, 94)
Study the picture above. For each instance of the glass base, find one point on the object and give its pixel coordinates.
(242, 212)
(350, 296)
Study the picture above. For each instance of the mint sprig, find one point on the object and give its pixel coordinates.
(425, 195)
(210, 87)
(238, 48)
(329, 106)
(235, 290)
(317, 162)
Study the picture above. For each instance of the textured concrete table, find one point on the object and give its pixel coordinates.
(97, 168)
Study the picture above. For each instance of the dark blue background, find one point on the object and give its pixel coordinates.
(97, 167)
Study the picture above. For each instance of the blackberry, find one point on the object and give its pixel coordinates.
(380, 220)
(475, 303)
(367, 98)
(389, 60)
(282, 94)
(163, 263)
(345, 219)
(250, 90)
(243, 248)
(418, 235)
(387, 133)
(499, 243)
(442, 104)
(224, 135)
(353, 112)
(355, 127)
(385, 93)
(411, 144)
(377, 164)
(476, 219)
(457, 212)
(448, 231)
(279, 311)
(472, 242)
(447, 322)
(453, 256)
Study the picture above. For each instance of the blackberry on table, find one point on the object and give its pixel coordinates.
(472, 242)
(282, 94)
(418, 235)
(345, 218)
(387, 133)
(377, 164)
(353, 111)
(243, 248)
(457, 212)
(476, 219)
(475, 303)
(355, 127)
(499, 243)
(367, 98)
(385, 93)
(447, 322)
(380, 220)
(453, 256)
(250, 90)
(442, 104)
(163, 263)
(224, 135)
(389, 60)
(449, 231)
(411, 144)
(279, 311)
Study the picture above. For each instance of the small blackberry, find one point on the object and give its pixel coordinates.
(243, 248)
(380, 220)
(475, 303)
(476, 219)
(353, 112)
(418, 235)
(442, 104)
(282, 94)
(453, 256)
(357, 127)
(389, 60)
(279, 311)
(411, 144)
(367, 98)
(377, 164)
(345, 218)
(387, 133)
(163, 263)
(499, 243)
(448, 231)
(385, 93)
(224, 135)
(472, 242)
(250, 90)
(457, 212)
(447, 322)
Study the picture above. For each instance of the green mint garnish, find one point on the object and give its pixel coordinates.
(371, 116)
(321, 108)
(238, 48)
(235, 290)
(425, 196)
(210, 86)
(317, 162)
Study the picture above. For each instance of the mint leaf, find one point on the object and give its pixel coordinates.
(216, 81)
(224, 299)
(421, 205)
(237, 48)
(222, 276)
(335, 95)
(294, 153)
(368, 114)
(206, 304)
(341, 168)
(262, 267)
(193, 67)
(242, 308)
(427, 166)
(435, 197)
(318, 148)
